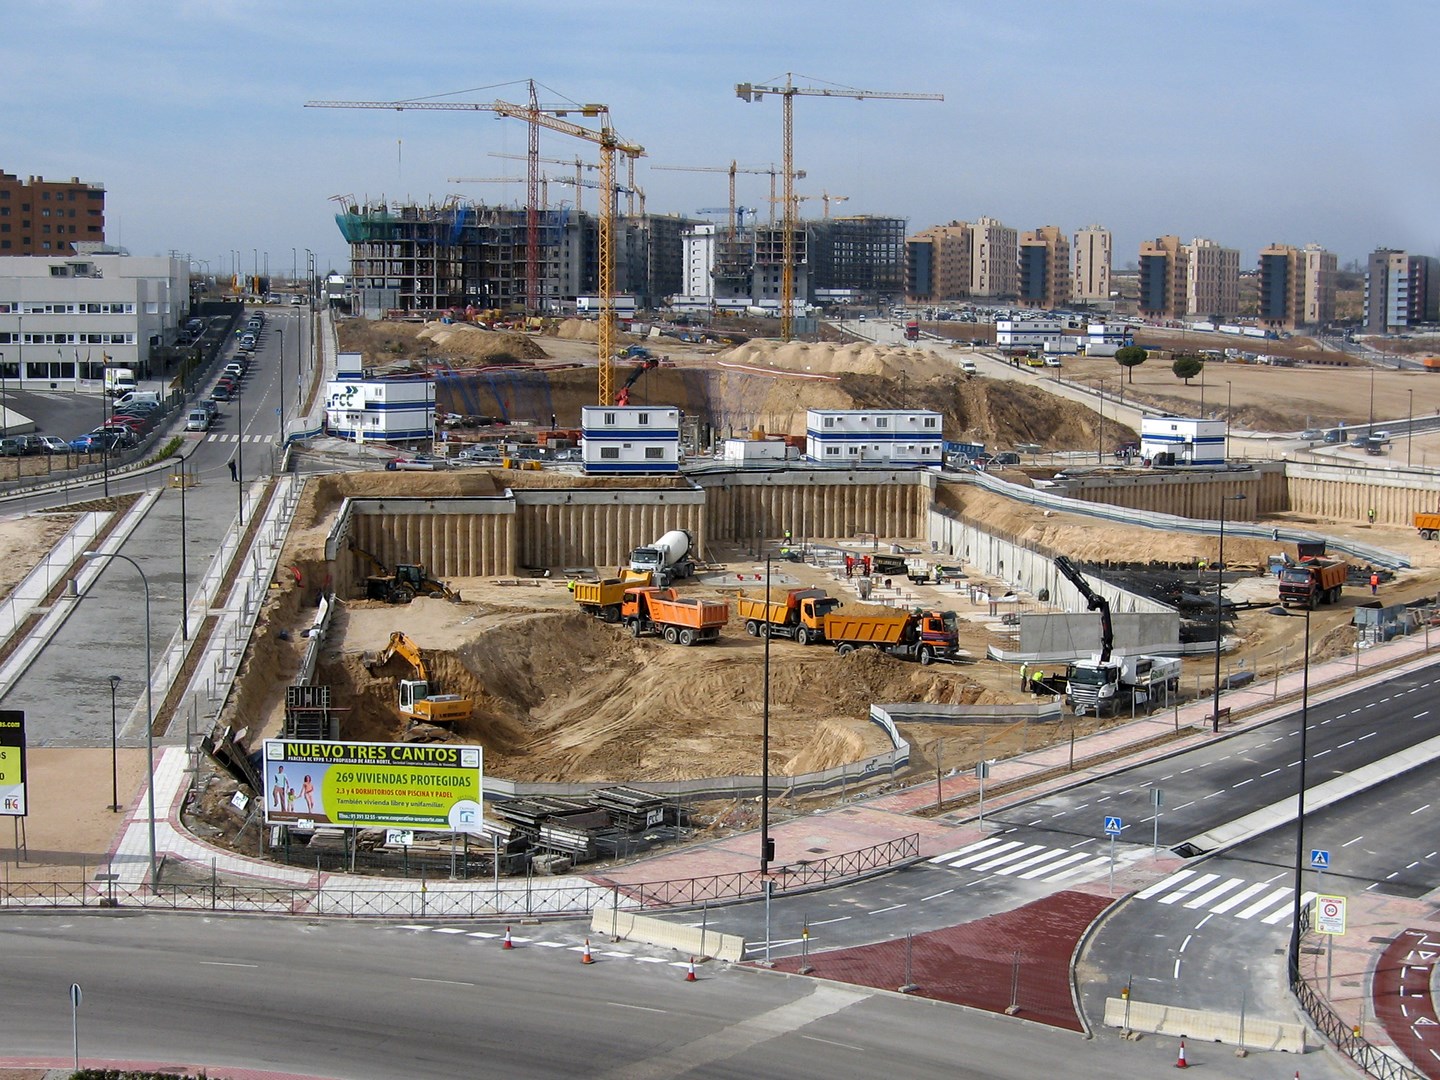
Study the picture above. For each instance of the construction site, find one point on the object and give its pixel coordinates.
(489, 576)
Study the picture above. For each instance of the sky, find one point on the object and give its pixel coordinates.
(1291, 121)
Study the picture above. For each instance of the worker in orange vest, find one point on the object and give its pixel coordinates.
(1374, 582)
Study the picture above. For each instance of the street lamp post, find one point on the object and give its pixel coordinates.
(281, 331)
(1100, 439)
(184, 575)
(1219, 598)
(240, 453)
(114, 750)
(1294, 952)
(1409, 424)
(767, 846)
(149, 705)
(1229, 409)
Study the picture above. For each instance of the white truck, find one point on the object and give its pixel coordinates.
(1109, 686)
(667, 559)
(119, 380)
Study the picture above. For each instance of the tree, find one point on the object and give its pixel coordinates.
(1187, 367)
(1131, 356)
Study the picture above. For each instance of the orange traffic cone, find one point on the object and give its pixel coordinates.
(690, 971)
(1180, 1064)
(585, 957)
(507, 943)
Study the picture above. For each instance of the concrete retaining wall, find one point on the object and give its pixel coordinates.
(1348, 494)
(1259, 1033)
(1192, 495)
(692, 941)
(815, 503)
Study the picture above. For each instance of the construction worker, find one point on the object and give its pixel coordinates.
(1024, 667)
(1371, 515)
(1037, 681)
(849, 566)
(865, 565)
(570, 586)
(1374, 582)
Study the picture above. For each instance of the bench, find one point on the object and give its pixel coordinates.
(1222, 716)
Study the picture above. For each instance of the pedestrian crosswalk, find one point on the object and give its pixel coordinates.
(1189, 889)
(1233, 896)
(220, 438)
(1030, 862)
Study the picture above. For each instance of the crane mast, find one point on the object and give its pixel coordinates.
(788, 92)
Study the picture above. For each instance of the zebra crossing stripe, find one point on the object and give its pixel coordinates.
(1215, 893)
(1093, 864)
(967, 848)
(1009, 845)
(1238, 899)
(1007, 858)
(1190, 886)
(1050, 868)
(1284, 912)
(1260, 905)
(1162, 886)
(1047, 856)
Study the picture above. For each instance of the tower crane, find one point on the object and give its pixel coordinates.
(740, 212)
(788, 93)
(552, 117)
(732, 169)
(577, 162)
(826, 199)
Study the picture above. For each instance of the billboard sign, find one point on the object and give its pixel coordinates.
(434, 786)
(12, 763)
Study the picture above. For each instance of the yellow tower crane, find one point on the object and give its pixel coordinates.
(551, 117)
(788, 93)
(732, 169)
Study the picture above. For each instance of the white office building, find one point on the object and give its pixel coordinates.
(64, 318)
(1028, 333)
(396, 409)
(630, 438)
(1193, 442)
(873, 437)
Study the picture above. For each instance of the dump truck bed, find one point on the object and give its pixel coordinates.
(690, 611)
(866, 629)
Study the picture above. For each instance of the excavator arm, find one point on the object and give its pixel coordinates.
(1095, 601)
(400, 645)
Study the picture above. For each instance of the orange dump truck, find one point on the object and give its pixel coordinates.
(603, 598)
(926, 636)
(801, 615)
(1313, 582)
(649, 610)
(1428, 525)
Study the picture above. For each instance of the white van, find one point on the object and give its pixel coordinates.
(119, 380)
(135, 396)
(969, 367)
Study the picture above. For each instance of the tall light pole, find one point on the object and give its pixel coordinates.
(1371, 425)
(240, 454)
(1219, 597)
(1229, 408)
(184, 573)
(281, 331)
(1409, 423)
(1100, 439)
(294, 266)
(114, 750)
(767, 846)
(149, 705)
(1294, 952)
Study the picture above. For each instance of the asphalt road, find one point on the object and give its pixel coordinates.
(360, 1001)
(66, 692)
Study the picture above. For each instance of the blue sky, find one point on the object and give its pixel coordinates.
(1290, 121)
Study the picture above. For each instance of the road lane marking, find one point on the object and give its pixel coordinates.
(1272, 772)
(1093, 864)
(1266, 901)
(1161, 886)
(1188, 887)
(968, 847)
(1355, 841)
(881, 911)
(1242, 783)
(1418, 809)
(1306, 899)
(1050, 868)
(1009, 857)
(977, 856)
(637, 1008)
(1207, 898)
(224, 963)
(1370, 736)
(932, 896)
(832, 1042)
(1177, 967)
(442, 982)
(1186, 942)
(1203, 921)
(1418, 715)
(827, 922)
(1182, 806)
(1236, 900)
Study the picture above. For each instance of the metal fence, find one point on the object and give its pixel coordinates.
(450, 900)
(1342, 1036)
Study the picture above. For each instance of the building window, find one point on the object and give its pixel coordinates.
(931, 421)
(832, 450)
(609, 453)
(609, 420)
(882, 421)
(642, 418)
(829, 422)
(655, 453)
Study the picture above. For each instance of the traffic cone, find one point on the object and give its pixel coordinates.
(1180, 1064)
(690, 971)
(507, 943)
(585, 957)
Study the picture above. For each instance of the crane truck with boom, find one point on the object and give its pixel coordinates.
(1101, 683)
(651, 610)
(667, 559)
(926, 636)
(801, 615)
(417, 703)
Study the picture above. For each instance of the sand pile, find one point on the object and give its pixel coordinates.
(825, 358)
(578, 330)
(465, 342)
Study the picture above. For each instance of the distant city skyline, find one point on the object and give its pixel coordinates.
(1247, 125)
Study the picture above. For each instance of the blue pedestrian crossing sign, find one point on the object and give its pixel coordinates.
(1114, 826)
(1320, 859)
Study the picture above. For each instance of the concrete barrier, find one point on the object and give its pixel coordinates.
(1203, 1026)
(688, 940)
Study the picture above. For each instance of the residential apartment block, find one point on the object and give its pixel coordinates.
(963, 260)
(1044, 270)
(1297, 286)
(1400, 290)
(1164, 277)
(1212, 279)
(1092, 265)
(47, 217)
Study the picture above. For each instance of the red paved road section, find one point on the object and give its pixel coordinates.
(1403, 1000)
(973, 964)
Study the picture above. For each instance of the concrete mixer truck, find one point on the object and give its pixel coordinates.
(667, 559)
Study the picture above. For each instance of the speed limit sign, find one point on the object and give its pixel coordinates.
(1330, 914)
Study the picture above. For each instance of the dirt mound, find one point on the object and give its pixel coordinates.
(578, 330)
(467, 345)
(826, 358)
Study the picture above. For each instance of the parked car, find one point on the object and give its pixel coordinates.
(12, 446)
(130, 423)
(122, 438)
(53, 444)
(198, 420)
(220, 393)
(1311, 433)
(211, 406)
(420, 462)
(94, 443)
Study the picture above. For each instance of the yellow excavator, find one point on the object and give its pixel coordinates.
(417, 703)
